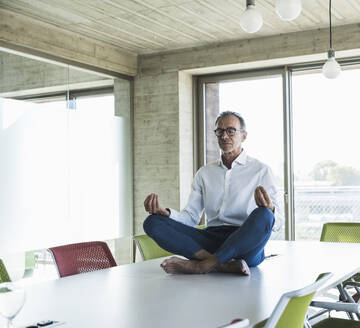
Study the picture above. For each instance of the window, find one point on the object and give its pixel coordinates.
(309, 140)
(326, 160)
(258, 99)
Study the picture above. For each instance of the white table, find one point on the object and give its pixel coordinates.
(142, 295)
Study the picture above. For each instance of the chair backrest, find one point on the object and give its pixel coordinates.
(291, 309)
(341, 232)
(82, 257)
(149, 249)
(4, 276)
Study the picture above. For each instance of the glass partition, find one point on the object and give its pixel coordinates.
(64, 161)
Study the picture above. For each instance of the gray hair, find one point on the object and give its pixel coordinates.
(229, 112)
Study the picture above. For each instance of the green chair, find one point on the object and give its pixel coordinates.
(341, 232)
(149, 249)
(349, 308)
(4, 276)
(336, 323)
(292, 307)
(344, 232)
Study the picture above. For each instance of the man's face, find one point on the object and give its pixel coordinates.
(228, 143)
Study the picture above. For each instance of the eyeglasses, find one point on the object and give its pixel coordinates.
(229, 131)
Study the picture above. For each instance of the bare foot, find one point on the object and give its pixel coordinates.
(178, 265)
(234, 266)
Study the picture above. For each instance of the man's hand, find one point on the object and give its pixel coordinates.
(152, 205)
(262, 198)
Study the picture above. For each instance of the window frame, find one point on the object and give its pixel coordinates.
(286, 72)
(63, 95)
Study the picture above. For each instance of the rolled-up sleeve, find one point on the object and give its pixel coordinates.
(192, 212)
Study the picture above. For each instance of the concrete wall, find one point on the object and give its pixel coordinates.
(257, 52)
(162, 161)
(28, 35)
(23, 76)
(156, 141)
(163, 139)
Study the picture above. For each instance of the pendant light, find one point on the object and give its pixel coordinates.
(331, 68)
(251, 20)
(288, 9)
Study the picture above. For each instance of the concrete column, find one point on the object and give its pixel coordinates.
(156, 139)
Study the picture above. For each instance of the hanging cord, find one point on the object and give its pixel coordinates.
(330, 24)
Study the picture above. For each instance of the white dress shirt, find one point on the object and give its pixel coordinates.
(227, 195)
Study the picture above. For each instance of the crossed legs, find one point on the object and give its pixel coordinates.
(224, 249)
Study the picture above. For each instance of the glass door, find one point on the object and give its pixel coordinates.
(326, 158)
(259, 99)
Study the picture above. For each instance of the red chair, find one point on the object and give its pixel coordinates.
(82, 257)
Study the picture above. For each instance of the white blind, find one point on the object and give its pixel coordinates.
(60, 173)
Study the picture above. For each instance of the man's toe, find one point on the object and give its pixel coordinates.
(245, 268)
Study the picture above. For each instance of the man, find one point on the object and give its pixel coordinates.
(240, 200)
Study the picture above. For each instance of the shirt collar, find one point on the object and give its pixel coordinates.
(241, 159)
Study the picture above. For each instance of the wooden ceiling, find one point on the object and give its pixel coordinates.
(153, 26)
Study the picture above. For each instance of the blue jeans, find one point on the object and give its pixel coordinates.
(246, 242)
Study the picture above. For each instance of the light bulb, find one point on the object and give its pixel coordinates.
(288, 9)
(251, 20)
(331, 68)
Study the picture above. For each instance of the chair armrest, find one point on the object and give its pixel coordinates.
(337, 306)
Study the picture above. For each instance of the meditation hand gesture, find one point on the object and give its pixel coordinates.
(152, 205)
(262, 198)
